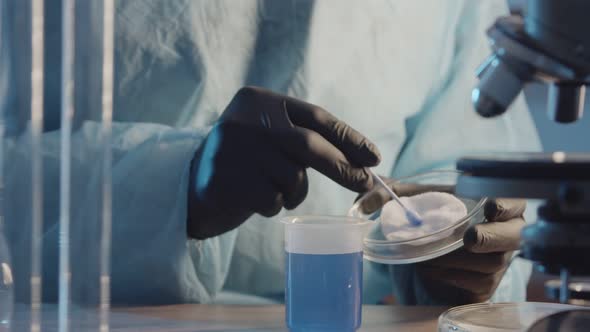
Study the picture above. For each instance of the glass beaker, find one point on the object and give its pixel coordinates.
(324, 273)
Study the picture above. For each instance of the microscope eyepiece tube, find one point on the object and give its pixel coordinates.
(566, 102)
(499, 85)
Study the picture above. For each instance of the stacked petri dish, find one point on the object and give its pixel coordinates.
(504, 317)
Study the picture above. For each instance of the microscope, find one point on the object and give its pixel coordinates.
(548, 43)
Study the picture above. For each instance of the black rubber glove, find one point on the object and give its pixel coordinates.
(469, 274)
(254, 160)
(472, 273)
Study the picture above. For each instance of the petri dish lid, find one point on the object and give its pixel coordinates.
(378, 249)
(497, 317)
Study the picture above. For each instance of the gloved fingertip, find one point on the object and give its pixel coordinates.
(504, 209)
(370, 204)
(492, 209)
(373, 155)
(471, 239)
(289, 207)
(292, 203)
(272, 207)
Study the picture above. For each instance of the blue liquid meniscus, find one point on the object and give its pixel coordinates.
(324, 292)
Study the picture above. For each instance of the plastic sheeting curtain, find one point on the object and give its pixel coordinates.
(56, 62)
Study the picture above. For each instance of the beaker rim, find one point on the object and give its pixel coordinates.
(324, 221)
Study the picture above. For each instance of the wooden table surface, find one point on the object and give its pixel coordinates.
(211, 318)
(271, 318)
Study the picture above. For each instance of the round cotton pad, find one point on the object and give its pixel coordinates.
(436, 209)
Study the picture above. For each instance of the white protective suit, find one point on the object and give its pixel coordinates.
(399, 71)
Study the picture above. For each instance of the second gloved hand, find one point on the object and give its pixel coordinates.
(472, 273)
(254, 160)
(468, 275)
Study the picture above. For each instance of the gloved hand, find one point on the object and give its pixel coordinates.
(254, 160)
(471, 273)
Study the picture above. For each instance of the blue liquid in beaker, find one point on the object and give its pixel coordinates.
(324, 291)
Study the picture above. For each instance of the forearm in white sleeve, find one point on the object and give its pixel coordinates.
(448, 128)
(153, 261)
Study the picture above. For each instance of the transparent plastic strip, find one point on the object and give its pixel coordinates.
(37, 67)
(3, 89)
(107, 121)
(67, 112)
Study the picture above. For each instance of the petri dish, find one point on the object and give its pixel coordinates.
(563, 321)
(498, 317)
(378, 249)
